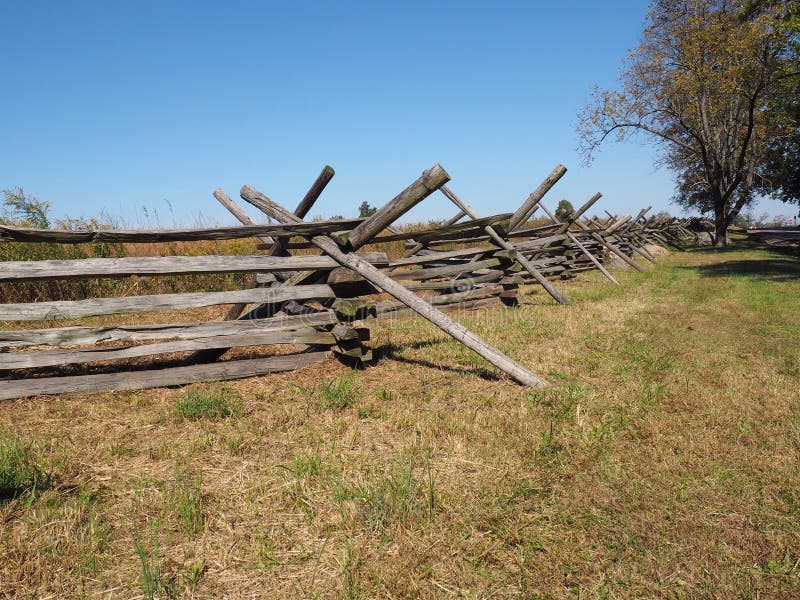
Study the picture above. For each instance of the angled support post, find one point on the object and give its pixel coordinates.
(524, 212)
(451, 221)
(578, 213)
(637, 241)
(398, 206)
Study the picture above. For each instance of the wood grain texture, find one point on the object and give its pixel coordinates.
(48, 358)
(426, 273)
(459, 231)
(136, 380)
(424, 186)
(444, 299)
(83, 335)
(159, 265)
(526, 209)
(416, 247)
(9, 233)
(434, 257)
(78, 309)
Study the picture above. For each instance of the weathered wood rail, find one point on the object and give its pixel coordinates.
(304, 307)
(782, 239)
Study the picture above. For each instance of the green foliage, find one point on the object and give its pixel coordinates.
(24, 210)
(351, 566)
(193, 575)
(780, 173)
(20, 469)
(391, 497)
(706, 84)
(564, 209)
(213, 404)
(365, 210)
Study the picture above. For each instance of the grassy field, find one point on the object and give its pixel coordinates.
(664, 461)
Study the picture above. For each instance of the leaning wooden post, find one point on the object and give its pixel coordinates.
(414, 302)
(523, 213)
(611, 232)
(583, 248)
(236, 309)
(614, 226)
(526, 264)
(423, 187)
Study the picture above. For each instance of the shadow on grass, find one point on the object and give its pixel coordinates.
(392, 352)
(772, 268)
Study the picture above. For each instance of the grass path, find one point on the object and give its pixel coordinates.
(663, 462)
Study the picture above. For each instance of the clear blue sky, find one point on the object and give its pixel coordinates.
(117, 106)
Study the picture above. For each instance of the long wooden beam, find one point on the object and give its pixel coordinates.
(419, 259)
(419, 246)
(278, 248)
(523, 212)
(135, 380)
(49, 358)
(423, 187)
(10, 233)
(455, 232)
(159, 265)
(84, 335)
(79, 309)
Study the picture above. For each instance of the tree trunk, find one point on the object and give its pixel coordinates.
(721, 222)
(721, 219)
(721, 234)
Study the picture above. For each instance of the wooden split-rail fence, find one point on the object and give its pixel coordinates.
(782, 239)
(301, 307)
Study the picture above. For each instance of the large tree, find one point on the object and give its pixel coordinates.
(699, 84)
(779, 175)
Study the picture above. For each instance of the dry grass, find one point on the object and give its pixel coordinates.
(662, 462)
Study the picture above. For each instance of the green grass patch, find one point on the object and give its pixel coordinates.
(21, 470)
(339, 393)
(214, 404)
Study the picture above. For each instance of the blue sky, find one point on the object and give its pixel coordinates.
(117, 107)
